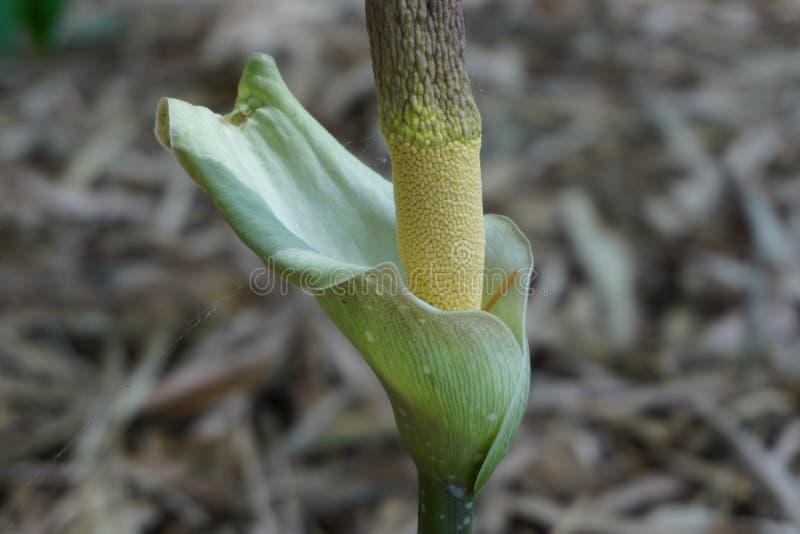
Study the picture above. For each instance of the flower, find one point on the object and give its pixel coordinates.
(458, 381)
(432, 128)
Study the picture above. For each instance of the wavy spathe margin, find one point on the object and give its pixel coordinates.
(305, 205)
(285, 185)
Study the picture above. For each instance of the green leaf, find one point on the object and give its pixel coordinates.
(41, 19)
(8, 23)
(458, 381)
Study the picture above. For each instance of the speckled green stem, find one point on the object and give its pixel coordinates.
(443, 508)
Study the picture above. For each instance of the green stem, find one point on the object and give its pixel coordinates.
(443, 508)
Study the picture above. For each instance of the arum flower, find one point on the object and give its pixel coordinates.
(457, 376)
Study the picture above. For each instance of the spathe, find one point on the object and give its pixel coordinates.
(458, 381)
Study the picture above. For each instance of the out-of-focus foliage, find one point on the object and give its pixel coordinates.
(38, 19)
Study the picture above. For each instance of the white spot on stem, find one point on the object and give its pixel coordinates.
(456, 491)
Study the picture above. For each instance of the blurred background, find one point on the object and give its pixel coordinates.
(649, 150)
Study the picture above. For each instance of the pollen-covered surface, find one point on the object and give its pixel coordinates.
(439, 211)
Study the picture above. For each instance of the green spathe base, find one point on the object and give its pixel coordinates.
(458, 381)
(455, 379)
